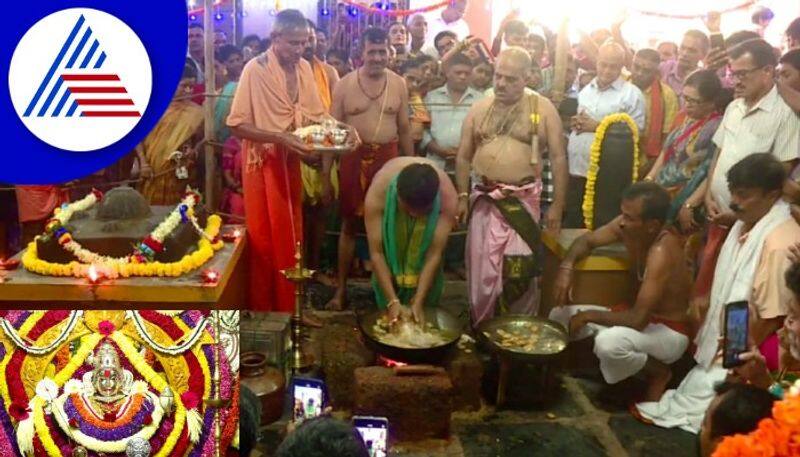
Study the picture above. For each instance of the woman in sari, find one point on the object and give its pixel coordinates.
(167, 156)
(683, 164)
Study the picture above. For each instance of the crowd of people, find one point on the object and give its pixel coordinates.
(447, 131)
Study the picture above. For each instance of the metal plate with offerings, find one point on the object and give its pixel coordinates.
(524, 337)
(327, 136)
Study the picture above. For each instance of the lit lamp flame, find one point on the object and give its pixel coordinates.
(93, 275)
(8, 264)
(210, 277)
(231, 235)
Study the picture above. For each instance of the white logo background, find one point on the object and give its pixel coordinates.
(126, 57)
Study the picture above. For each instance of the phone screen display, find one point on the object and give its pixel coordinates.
(308, 398)
(374, 431)
(736, 321)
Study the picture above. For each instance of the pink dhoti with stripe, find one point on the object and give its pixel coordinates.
(496, 251)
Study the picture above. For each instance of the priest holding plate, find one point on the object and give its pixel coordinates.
(276, 96)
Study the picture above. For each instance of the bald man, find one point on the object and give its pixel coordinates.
(418, 30)
(501, 145)
(606, 94)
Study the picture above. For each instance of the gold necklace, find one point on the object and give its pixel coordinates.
(364, 91)
(500, 128)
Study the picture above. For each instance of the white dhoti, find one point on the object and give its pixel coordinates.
(623, 351)
(686, 406)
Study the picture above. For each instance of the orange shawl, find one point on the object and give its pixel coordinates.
(323, 83)
(262, 99)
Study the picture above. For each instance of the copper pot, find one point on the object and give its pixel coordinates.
(266, 382)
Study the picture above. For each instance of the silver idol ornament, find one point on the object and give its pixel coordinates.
(339, 135)
(137, 447)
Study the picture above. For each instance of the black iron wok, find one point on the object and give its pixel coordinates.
(450, 326)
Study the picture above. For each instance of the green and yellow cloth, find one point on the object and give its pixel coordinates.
(406, 240)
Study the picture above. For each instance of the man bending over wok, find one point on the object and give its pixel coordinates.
(409, 211)
(652, 333)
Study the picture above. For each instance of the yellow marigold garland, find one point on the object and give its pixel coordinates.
(153, 379)
(594, 161)
(39, 424)
(87, 346)
(205, 250)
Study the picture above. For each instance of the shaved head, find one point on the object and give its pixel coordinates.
(515, 56)
(611, 50)
(511, 73)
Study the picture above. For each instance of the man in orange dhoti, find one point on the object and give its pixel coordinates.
(276, 95)
(374, 101)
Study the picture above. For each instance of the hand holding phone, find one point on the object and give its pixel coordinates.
(736, 330)
(309, 398)
(374, 431)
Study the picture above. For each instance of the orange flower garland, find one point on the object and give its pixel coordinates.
(89, 417)
(776, 436)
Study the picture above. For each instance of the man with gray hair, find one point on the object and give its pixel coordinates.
(275, 94)
(501, 141)
(607, 94)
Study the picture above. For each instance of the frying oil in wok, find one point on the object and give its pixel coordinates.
(528, 337)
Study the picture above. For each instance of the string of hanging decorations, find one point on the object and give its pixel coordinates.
(385, 8)
(747, 4)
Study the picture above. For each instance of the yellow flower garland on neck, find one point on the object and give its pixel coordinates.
(205, 250)
(594, 161)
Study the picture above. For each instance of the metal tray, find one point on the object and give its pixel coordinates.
(510, 322)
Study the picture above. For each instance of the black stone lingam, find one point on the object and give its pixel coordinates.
(119, 222)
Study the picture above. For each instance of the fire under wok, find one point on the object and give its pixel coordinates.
(442, 322)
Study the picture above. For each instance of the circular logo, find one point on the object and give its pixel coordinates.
(80, 79)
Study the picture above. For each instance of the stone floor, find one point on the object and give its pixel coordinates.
(587, 419)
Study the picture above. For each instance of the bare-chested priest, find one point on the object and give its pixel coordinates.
(500, 143)
(410, 210)
(373, 100)
(652, 333)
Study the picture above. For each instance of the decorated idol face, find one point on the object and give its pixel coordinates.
(107, 376)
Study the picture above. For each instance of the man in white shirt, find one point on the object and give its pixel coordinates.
(448, 107)
(607, 94)
(758, 120)
(451, 18)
